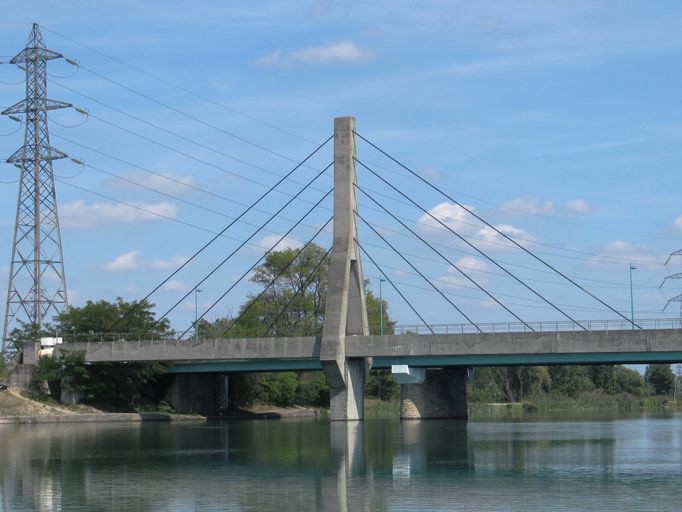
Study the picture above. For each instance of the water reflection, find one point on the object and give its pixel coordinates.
(316, 465)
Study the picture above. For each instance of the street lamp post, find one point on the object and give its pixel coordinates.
(632, 301)
(381, 308)
(196, 314)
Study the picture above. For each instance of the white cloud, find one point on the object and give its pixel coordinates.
(452, 215)
(471, 266)
(342, 51)
(579, 206)
(130, 261)
(166, 182)
(81, 215)
(286, 243)
(126, 261)
(677, 223)
(172, 262)
(528, 206)
(175, 286)
(494, 240)
(623, 252)
(472, 263)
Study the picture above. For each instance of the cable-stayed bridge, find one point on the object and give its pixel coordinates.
(346, 351)
(337, 340)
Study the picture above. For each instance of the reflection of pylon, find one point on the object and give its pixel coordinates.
(37, 285)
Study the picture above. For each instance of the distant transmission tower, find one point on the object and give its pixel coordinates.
(37, 285)
(677, 298)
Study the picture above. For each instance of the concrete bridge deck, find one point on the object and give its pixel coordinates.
(419, 350)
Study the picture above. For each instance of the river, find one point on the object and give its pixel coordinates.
(626, 462)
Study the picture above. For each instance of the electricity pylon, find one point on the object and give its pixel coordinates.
(37, 285)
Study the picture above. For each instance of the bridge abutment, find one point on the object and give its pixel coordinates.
(442, 395)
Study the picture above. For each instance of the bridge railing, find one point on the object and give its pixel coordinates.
(544, 326)
(496, 327)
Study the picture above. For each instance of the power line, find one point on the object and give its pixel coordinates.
(181, 88)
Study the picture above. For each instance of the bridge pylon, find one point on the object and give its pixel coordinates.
(346, 306)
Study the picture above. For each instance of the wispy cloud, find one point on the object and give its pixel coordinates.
(579, 206)
(125, 261)
(342, 51)
(130, 261)
(286, 243)
(80, 215)
(527, 206)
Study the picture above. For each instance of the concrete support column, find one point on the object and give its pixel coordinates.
(443, 394)
(346, 309)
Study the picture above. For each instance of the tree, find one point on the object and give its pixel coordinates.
(109, 384)
(102, 320)
(570, 380)
(629, 381)
(661, 378)
(603, 376)
(517, 383)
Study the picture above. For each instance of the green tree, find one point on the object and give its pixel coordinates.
(629, 381)
(516, 383)
(603, 376)
(570, 380)
(105, 321)
(118, 385)
(661, 378)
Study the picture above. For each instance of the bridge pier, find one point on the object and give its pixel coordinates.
(443, 394)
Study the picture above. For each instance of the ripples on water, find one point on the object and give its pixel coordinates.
(630, 463)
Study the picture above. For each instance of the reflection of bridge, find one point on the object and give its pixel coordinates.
(345, 351)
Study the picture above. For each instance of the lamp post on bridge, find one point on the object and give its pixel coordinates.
(381, 307)
(632, 301)
(196, 314)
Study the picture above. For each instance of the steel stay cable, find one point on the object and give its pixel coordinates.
(482, 253)
(299, 290)
(394, 286)
(475, 215)
(272, 248)
(274, 280)
(418, 272)
(266, 193)
(228, 199)
(456, 267)
(258, 230)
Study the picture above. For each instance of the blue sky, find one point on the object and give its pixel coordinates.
(558, 122)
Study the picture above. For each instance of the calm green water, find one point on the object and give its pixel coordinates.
(625, 463)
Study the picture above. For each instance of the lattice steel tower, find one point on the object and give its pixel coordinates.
(37, 285)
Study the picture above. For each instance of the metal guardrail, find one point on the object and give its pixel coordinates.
(497, 327)
(546, 326)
